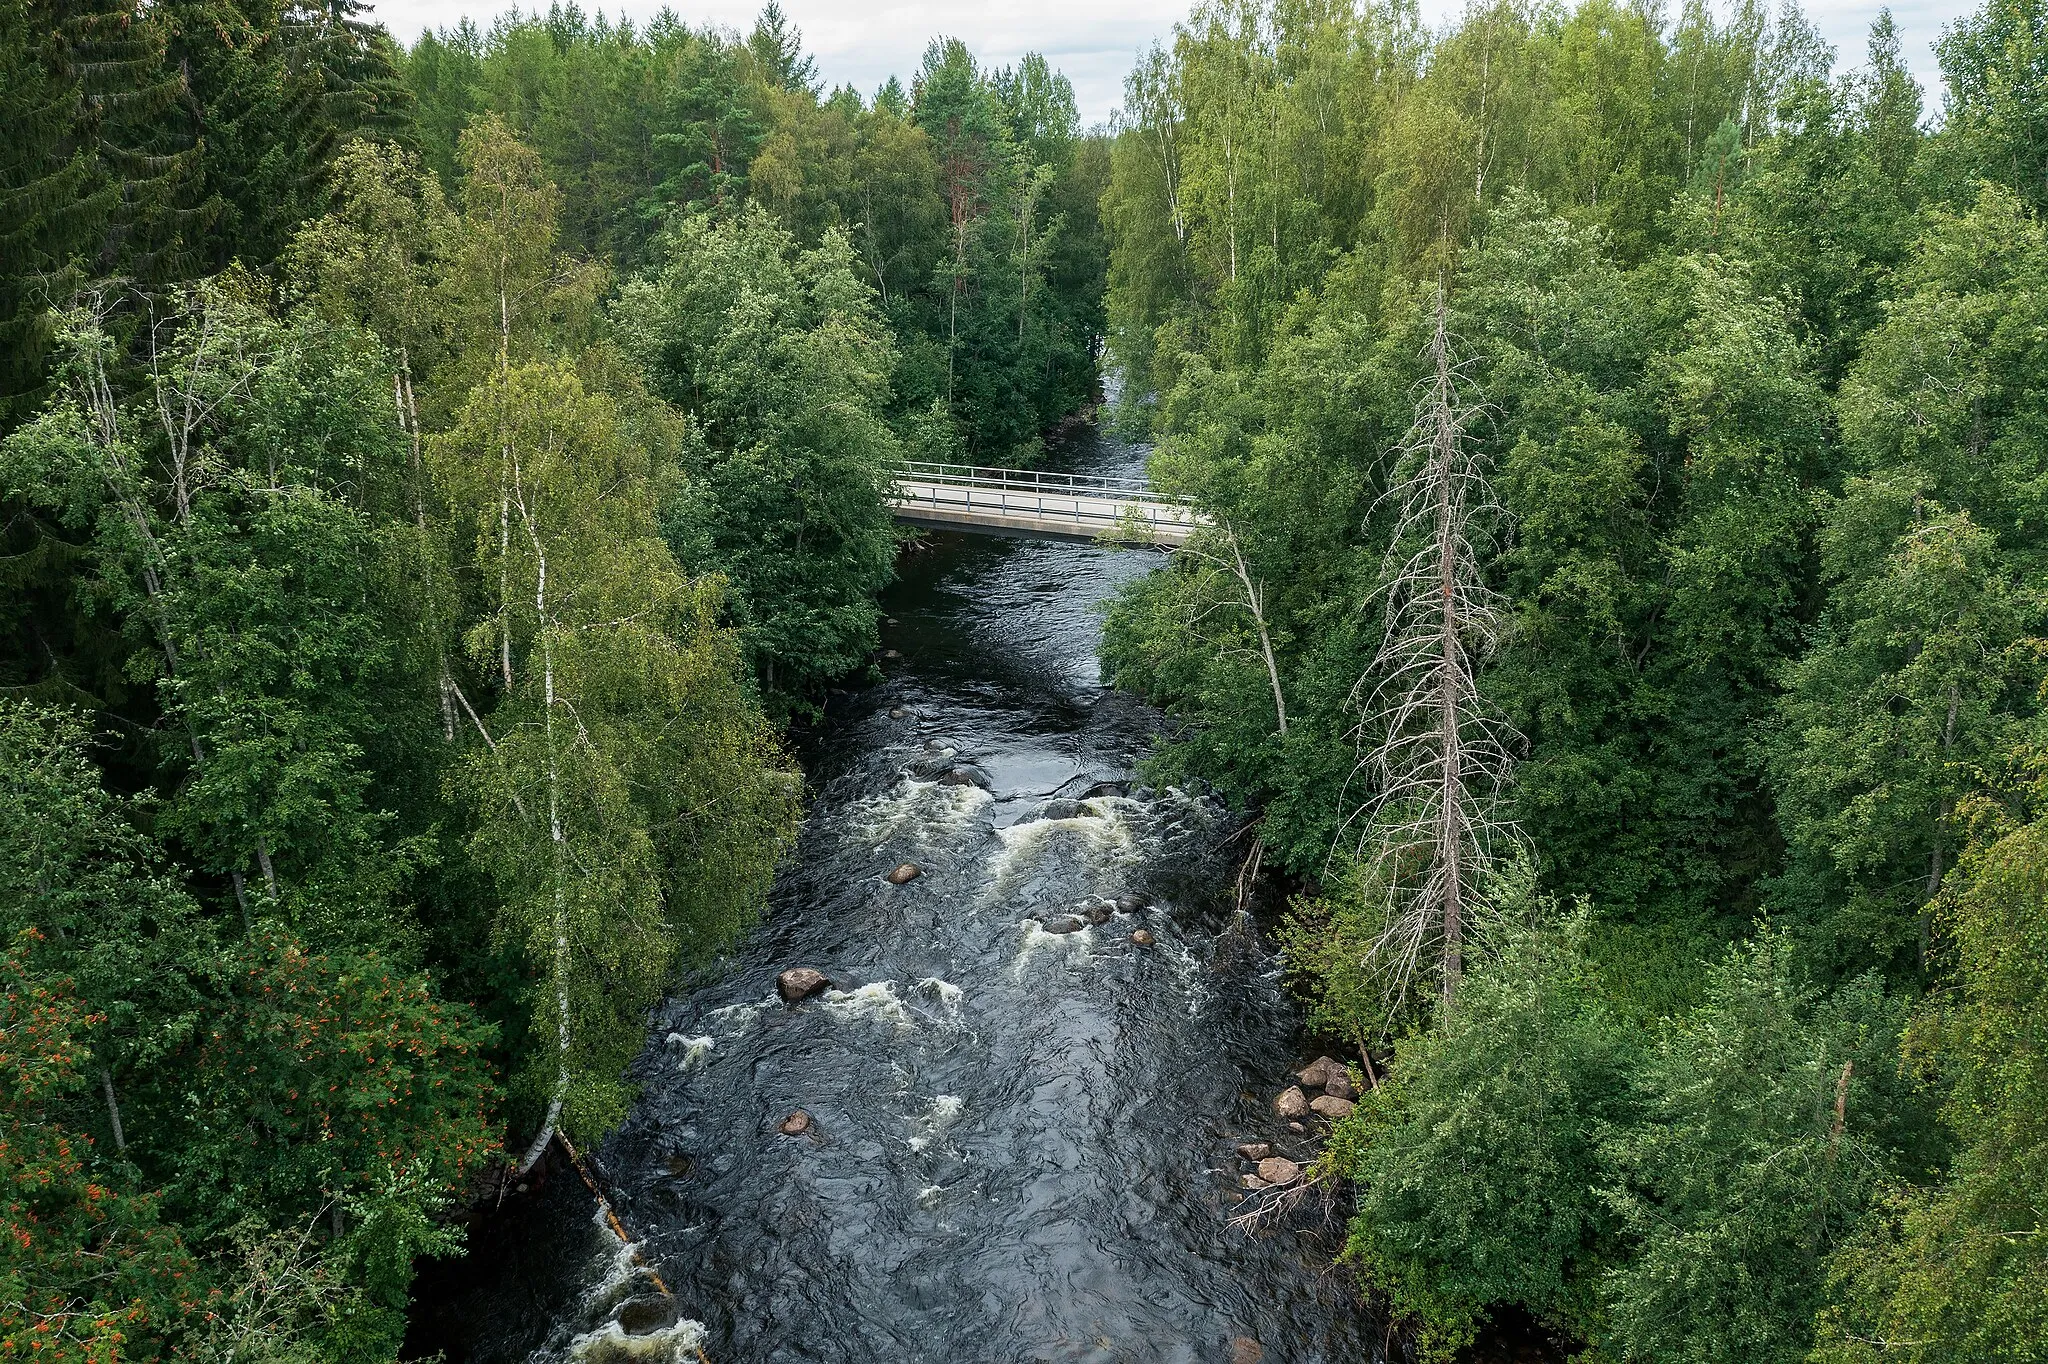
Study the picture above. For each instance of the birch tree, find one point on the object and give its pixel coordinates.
(233, 499)
(585, 806)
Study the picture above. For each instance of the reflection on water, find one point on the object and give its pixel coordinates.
(1020, 1138)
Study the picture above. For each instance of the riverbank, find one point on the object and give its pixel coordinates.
(1021, 1142)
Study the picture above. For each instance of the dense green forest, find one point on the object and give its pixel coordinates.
(429, 481)
(432, 478)
(1625, 438)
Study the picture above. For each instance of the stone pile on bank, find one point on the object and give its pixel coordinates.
(1325, 1092)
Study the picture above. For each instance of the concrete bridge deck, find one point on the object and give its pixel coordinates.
(1038, 506)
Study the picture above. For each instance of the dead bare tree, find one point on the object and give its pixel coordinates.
(1434, 757)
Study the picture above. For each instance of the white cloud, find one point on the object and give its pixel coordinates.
(864, 42)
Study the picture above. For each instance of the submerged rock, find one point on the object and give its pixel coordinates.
(966, 775)
(1333, 1108)
(1065, 923)
(1252, 1182)
(1279, 1171)
(1245, 1350)
(1292, 1103)
(1142, 938)
(1098, 913)
(898, 713)
(1132, 904)
(800, 982)
(795, 1125)
(905, 874)
(645, 1316)
(1255, 1150)
(1297, 1127)
(1059, 809)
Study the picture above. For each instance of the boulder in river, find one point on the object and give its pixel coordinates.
(1060, 808)
(1252, 1183)
(795, 1125)
(1255, 1150)
(891, 654)
(800, 982)
(1142, 938)
(1065, 923)
(645, 1316)
(1132, 904)
(1339, 1085)
(1297, 1127)
(965, 775)
(1279, 1171)
(905, 874)
(1331, 1107)
(898, 713)
(1104, 788)
(1292, 1103)
(1317, 1073)
(1099, 912)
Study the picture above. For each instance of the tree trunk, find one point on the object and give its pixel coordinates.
(113, 1109)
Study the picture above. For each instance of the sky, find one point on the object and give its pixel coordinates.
(864, 42)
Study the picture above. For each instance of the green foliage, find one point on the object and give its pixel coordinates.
(783, 361)
(88, 1274)
(1767, 1115)
(1956, 1270)
(1995, 64)
(242, 543)
(588, 814)
(1479, 1169)
(257, 1086)
(1760, 360)
(114, 919)
(969, 204)
(1910, 689)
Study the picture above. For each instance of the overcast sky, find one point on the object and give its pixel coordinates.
(1093, 41)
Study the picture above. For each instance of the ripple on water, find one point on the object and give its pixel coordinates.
(1052, 1183)
(929, 1127)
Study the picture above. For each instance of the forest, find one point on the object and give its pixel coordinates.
(434, 478)
(1624, 436)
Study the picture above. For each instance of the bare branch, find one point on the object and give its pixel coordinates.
(1433, 755)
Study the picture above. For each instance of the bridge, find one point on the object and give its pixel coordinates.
(1030, 505)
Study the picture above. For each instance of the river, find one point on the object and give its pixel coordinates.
(1021, 1143)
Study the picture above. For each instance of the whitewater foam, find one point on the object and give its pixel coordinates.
(930, 1126)
(609, 1344)
(1102, 834)
(696, 1050)
(877, 1001)
(925, 812)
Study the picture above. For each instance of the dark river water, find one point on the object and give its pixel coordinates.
(1021, 1141)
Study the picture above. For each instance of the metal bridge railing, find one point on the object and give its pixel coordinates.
(1028, 480)
(1094, 503)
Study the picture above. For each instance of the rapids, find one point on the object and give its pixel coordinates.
(1021, 1146)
